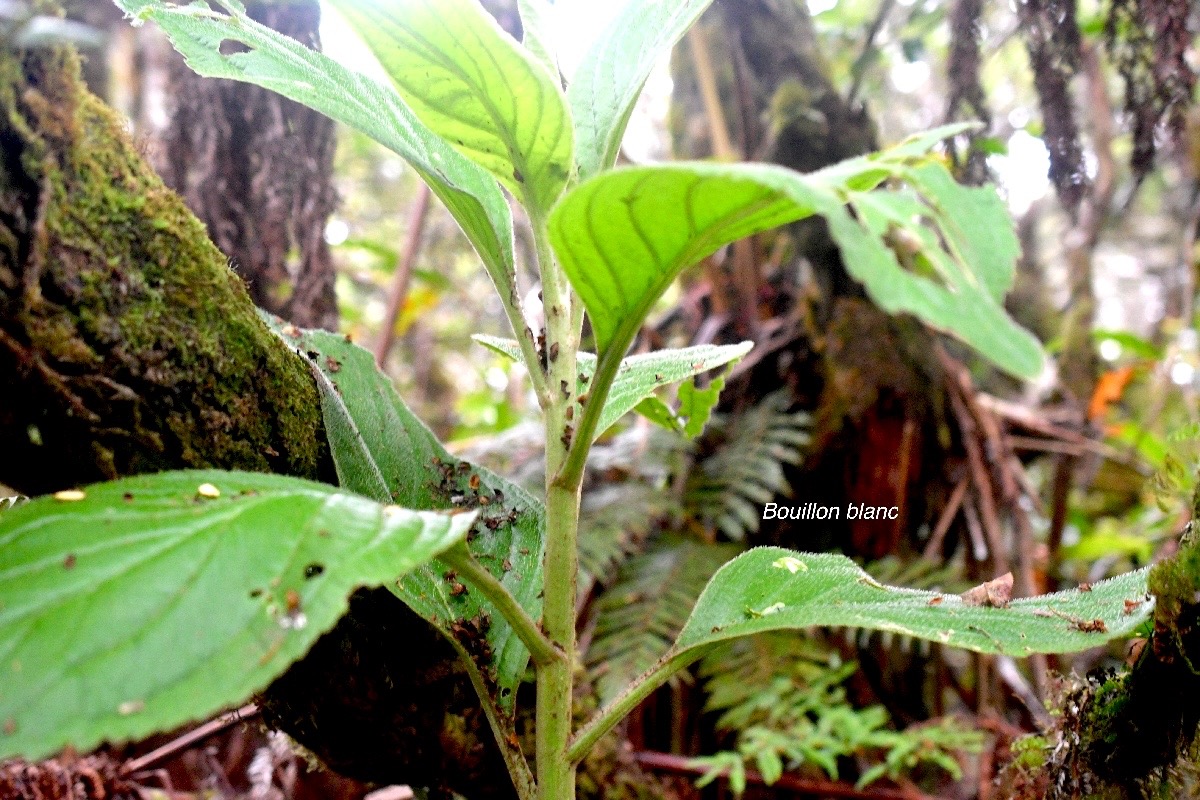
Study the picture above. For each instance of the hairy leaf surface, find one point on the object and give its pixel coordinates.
(383, 451)
(640, 375)
(152, 601)
(472, 84)
(770, 588)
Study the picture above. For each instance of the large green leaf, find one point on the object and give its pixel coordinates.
(638, 376)
(770, 588)
(613, 71)
(283, 65)
(139, 605)
(471, 83)
(624, 236)
(383, 451)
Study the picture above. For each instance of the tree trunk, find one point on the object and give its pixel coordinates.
(127, 345)
(257, 169)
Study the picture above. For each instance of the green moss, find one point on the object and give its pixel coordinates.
(153, 353)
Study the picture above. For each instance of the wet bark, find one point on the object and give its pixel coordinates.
(126, 343)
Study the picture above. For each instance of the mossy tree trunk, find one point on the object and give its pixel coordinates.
(128, 345)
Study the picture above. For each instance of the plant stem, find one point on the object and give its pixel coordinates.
(483, 581)
(606, 372)
(514, 759)
(604, 719)
(555, 771)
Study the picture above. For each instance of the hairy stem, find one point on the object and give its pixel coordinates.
(555, 771)
(604, 719)
(483, 581)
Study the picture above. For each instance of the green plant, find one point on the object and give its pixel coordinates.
(782, 697)
(100, 584)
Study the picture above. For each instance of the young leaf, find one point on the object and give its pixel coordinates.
(615, 68)
(472, 84)
(283, 65)
(138, 605)
(696, 405)
(537, 37)
(383, 451)
(638, 376)
(624, 236)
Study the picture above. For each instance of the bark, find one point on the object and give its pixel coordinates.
(257, 169)
(127, 345)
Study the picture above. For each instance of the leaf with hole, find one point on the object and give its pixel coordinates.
(771, 588)
(476, 87)
(139, 605)
(383, 451)
(273, 61)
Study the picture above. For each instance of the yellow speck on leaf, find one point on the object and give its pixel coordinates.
(208, 490)
(69, 495)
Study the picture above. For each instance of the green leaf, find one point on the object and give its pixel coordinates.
(613, 71)
(770, 588)
(283, 65)
(696, 405)
(157, 600)
(659, 413)
(383, 451)
(624, 236)
(537, 36)
(695, 408)
(467, 79)
(638, 376)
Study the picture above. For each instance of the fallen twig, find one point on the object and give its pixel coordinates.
(186, 740)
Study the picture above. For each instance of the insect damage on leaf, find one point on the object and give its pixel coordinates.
(996, 593)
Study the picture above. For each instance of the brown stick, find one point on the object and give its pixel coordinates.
(947, 516)
(184, 741)
(417, 215)
(681, 765)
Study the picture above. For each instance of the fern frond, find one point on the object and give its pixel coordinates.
(781, 696)
(629, 502)
(729, 488)
(638, 618)
(615, 522)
